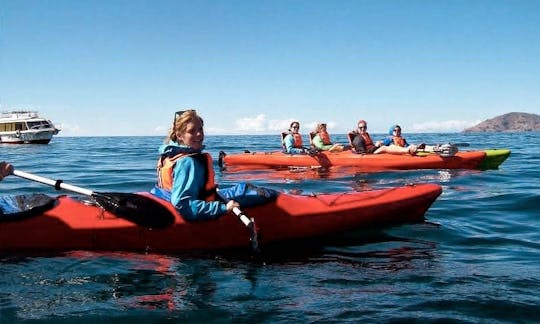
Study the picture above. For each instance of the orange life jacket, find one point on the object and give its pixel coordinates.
(368, 142)
(165, 167)
(399, 141)
(297, 140)
(325, 137)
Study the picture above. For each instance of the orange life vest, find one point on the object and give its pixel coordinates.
(325, 137)
(368, 142)
(165, 167)
(297, 140)
(399, 141)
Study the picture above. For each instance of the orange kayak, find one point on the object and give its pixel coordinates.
(479, 160)
(73, 225)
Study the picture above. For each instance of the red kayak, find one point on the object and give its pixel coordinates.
(73, 225)
(479, 160)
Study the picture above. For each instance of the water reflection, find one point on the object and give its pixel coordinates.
(108, 283)
(360, 181)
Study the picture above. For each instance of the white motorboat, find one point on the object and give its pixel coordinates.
(18, 127)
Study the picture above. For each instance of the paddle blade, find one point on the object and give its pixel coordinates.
(138, 209)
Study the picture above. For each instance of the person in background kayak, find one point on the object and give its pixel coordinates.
(322, 141)
(361, 141)
(395, 143)
(293, 141)
(394, 137)
(5, 170)
(186, 174)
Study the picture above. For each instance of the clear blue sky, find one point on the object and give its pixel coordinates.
(123, 67)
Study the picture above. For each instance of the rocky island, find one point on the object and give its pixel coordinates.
(511, 122)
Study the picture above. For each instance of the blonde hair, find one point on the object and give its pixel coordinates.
(181, 119)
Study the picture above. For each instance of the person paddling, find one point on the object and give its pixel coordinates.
(186, 175)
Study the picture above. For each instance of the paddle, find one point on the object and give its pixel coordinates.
(444, 150)
(249, 222)
(222, 155)
(138, 209)
(455, 144)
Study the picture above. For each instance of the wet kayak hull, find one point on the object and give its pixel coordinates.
(73, 225)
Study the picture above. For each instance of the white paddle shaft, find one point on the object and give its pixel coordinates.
(54, 183)
(242, 217)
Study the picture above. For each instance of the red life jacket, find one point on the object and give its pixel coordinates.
(325, 137)
(165, 167)
(368, 142)
(398, 140)
(297, 140)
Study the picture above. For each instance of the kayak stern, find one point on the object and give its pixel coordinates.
(494, 158)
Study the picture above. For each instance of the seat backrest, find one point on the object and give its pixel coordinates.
(311, 136)
(283, 135)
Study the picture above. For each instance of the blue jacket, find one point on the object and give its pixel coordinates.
(188, 182)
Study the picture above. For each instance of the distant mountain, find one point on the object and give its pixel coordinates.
(511, 122)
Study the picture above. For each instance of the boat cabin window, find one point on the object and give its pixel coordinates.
(38, 124)
(10, 127)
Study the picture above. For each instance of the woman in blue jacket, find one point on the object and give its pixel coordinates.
(186, 175)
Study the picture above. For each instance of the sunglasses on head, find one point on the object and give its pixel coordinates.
(180, 113)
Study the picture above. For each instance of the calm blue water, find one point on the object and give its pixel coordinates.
(475, 259)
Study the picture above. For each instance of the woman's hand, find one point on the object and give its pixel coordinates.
(5, 169)
(231, 204)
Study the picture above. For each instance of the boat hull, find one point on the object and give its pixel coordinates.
(27, 137)
(73, 225)
(25, 127)
(480, 160)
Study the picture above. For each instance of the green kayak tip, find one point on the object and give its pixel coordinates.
(494, 158)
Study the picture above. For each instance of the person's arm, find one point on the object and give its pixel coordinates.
(358, 145)
(289, 143)
(188, 183)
